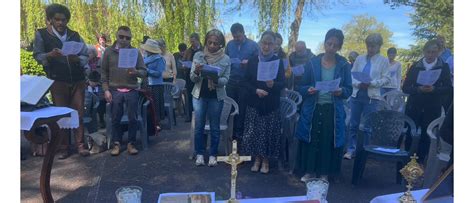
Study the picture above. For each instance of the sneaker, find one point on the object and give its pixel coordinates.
(306, 177)
(212, 161)
(348, 155)
(200, 160)
(131, 149)
(256, 165)
(115, 149)
(265, 168)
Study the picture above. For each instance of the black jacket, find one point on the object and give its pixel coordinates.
(271, 102)
(60, 68)
(419, 102)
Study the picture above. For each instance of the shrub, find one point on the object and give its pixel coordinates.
(29, 66)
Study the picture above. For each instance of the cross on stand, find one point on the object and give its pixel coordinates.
(233, 159)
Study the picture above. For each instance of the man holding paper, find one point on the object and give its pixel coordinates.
(240, 49)
(369, 73)
(65, 68)
(298, 59)
(426, 93)
(121, 65)
(321, 127)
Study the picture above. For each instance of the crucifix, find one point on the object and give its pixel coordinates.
(233, 159)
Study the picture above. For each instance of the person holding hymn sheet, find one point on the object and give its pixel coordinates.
(321, 127)
(300, 56)
(395, 72)
(425, 101)
(155, 65)
(262, 126)
(66, 71)
(366, 95)
(120, 87)
(208, 94)
(170, 72)
(188, 56)
(241, 48)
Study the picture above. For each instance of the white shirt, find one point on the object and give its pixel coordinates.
(429, 66)
(395, 74)
(63, 37)
(378, 72)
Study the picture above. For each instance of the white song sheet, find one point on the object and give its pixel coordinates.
(187, 64)
(71, 48)
(362, 77)
(328, 85)
(127, 58)
(267, 70)
(298, 70)
(428, 77)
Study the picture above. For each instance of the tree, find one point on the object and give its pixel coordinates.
(276, 15)
(431, 18)
(359, 28)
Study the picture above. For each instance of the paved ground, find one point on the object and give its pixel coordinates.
(165, 167)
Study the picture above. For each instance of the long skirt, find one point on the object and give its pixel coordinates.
(262, 134)
(320, 155)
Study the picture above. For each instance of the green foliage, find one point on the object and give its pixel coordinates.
(358, 29)
(431, 18)
(29, 66)
(409, 56)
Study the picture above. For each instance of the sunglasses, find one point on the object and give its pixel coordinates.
(125, 37)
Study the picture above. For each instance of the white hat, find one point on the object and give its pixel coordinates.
(151, 46)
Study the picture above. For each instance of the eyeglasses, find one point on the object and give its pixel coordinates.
(125, 37)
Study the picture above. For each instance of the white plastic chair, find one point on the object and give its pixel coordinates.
(439, 153)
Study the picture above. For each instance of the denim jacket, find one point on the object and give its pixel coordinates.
(224, 63)
(313, 74)
(155, 66)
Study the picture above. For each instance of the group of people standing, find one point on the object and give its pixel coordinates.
(321, 127)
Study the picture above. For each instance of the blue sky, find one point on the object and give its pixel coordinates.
(314, 26)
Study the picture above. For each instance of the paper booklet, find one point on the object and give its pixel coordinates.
(267, 70)
(33, 88)
(127, 58)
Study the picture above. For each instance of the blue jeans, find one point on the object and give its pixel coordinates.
(130, 99)
(384, 90)
(212, 108)
(360, 105)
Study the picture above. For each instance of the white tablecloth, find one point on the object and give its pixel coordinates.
(29, 118)
(417, 194)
